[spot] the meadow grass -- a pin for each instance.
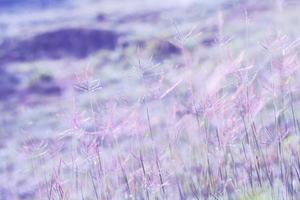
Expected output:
(194, 131)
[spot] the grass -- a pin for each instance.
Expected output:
(187, 131)
(236, 137)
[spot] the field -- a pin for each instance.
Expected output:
(132, 99)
